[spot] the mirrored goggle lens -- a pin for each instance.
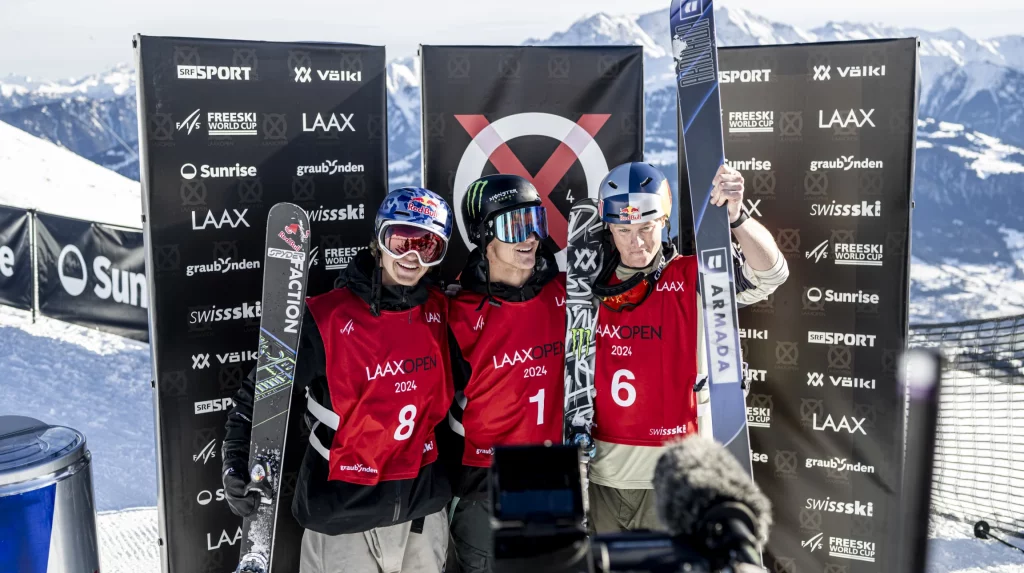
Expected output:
(629, 299)
(399, 240)
(516, 226)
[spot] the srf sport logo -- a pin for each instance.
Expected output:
(231, 73)
(743, 76)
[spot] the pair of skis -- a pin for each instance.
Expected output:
(700, 107)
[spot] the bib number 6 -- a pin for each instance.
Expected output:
(618, 387)
(406, 422)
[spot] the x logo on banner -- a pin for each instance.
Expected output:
(815, 379)
(549, 175)
(200, 361)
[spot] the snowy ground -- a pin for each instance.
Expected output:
(96, 383)
(99, 384)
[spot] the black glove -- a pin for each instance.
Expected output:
(236, 484)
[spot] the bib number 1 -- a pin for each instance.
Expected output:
(406, 423)
(618, 387)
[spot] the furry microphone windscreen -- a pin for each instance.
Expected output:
(694, 475)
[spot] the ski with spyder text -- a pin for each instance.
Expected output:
(285, 271)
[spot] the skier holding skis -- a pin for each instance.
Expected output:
(648, 335)
(508, 329)
(373, 356)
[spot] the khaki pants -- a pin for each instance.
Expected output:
(615, 510)
(393, 549)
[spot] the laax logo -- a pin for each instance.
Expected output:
(489, 146)
(824, 73)
(126, 287)
(348, 329)
(852, 118)
(232, 219)
(671, 286)
(208, 451)
(848, 424)
(329, 167)
(233, 73)
(744, 76)
(580, 340)
(224, 538)
(335, 122)
(305, 75)
(434, 317)
(479, 324)
(538, 352)
(403, 366)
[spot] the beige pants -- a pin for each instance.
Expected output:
(615, 510)
(393, 549)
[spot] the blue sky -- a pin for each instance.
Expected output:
(57, 38)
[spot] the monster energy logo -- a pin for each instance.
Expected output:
(475, 198)
(580, 340)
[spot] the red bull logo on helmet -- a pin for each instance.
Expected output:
(424, 205)
(629, 213)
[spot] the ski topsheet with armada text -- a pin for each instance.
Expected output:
(583, 262)
(285, 270)
(700, 107)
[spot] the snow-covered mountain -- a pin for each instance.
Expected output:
(36, 174)
(974, 83)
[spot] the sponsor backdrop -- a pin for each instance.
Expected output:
(824, 135)
(230, 128)
(92, 274)
(561, 117)
(15, 258)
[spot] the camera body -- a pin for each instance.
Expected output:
(538, 524)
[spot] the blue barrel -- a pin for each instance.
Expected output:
(47, 514)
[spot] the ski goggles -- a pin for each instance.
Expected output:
(630, 298)
(400, 239)
(517, 226)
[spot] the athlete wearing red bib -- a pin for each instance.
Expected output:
(374, 361)
(508, 337)
(648, 336)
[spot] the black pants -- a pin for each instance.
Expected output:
(472, 549)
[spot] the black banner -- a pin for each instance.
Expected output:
(559, 116)
(15, 258)
(824, 135)
(92, 274)
(231, 128)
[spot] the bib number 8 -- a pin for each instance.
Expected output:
(618, 386)
(406, 422)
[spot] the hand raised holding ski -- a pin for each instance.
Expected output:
(728, 187)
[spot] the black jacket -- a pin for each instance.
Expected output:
(468, 481)
(337, 507)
